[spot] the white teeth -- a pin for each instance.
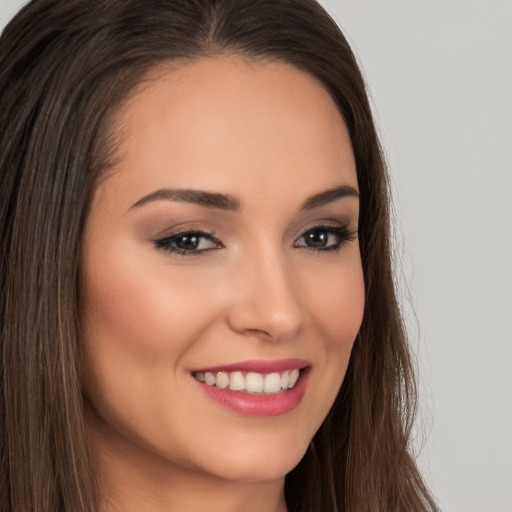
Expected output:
(237, 381)
(272, 383)
(294, 375)
(252, 382)
(222, 380)
(285, 378)
(209, 378)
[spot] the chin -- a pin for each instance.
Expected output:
(259, 468)
(253, 460)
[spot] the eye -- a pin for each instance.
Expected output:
(188, 242)
(326, 238)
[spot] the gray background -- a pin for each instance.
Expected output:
(440, 74)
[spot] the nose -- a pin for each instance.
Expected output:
(267, 302)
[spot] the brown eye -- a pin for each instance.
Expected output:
(188, 243)
(325, 238)
(317, 238)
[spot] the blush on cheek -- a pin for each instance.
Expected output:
(121, 309)
(339, 307)
(143, 313)
(349, 322)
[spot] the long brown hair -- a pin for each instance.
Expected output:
(65, 68)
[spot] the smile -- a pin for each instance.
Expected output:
(256, 387)
(250, 382)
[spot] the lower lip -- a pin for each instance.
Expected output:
(259, 404)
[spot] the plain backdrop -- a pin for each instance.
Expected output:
(440, 76)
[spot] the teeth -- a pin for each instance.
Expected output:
(252, 382)
(222, 381)
(272, 383)
(209, 378)
(294, 375)
(237, 382)
(285, 378)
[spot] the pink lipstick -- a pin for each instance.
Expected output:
(256, 387)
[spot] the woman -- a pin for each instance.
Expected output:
(198, 308)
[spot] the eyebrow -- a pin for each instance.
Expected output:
(328, 196)
(230, 203)
(199, 197)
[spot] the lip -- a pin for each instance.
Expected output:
(258, 404)
(258, 366)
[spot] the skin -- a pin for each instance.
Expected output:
(270, 136)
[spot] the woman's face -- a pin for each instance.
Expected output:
(222, 248)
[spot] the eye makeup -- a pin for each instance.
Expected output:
(326, 238)
(189, 242)
(192, 241)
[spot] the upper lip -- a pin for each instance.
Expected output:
(259, 366)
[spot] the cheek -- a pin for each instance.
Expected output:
(138, 320)
(337, 303)
(120, 307)
(338, 306)
(134, 306)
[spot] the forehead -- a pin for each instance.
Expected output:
(211, 122)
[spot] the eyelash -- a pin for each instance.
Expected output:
(343, 234)
(168, 243)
